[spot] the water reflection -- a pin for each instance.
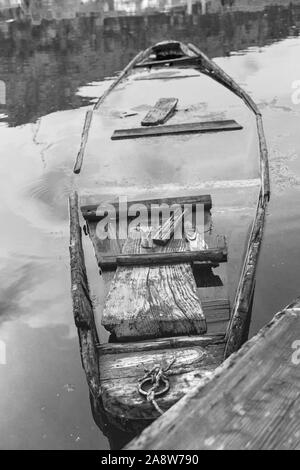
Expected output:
(51, 67)
(43, 64)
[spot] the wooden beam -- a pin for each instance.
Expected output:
(176, 129)
(251, 402)
(91, 212)
(161, 112)
(242, 303)
(217, 255)
(181, 61)
(84, 137)
(82, 304)
(109, 263)
(264, 156)
(161, 343)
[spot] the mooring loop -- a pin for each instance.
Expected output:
(159, 384)
(157, 393)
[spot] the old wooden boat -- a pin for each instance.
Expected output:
(172, 129)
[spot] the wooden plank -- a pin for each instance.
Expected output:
(181, 61)
(187, 359)
(163, 76)
(264, 156)
(91, 212)
(82, 304)
(160, 343)
(151, 302)
(84, 137)
(217, 255)
(203, 260)
(252, 401)
(161, 112)
(176, 129)
(216, 311)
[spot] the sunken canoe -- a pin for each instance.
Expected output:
(174, 132)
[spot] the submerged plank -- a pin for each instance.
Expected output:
(161, 112)
(252, 402)
(174, 129)
(151, 302)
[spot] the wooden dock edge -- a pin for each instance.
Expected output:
(252, 401)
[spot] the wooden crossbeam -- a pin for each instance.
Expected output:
(91, 212)
(176, 129)
(189, 61)
(218, 255)
(161, 343)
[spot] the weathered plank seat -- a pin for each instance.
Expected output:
(122, 365)
(151, 302)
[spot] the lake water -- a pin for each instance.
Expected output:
(50, 71)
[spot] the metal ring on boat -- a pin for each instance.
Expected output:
(158, 393)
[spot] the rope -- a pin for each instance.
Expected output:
(160, 384)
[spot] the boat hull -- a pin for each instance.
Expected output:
(153, 312)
